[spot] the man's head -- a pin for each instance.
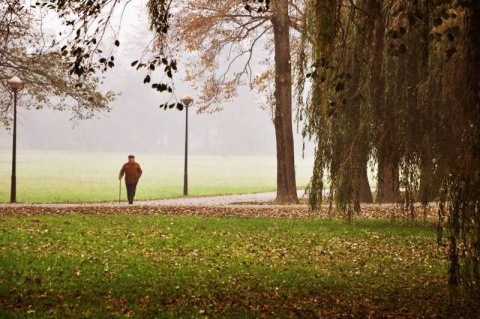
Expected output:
(131, 158)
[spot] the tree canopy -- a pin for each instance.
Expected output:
(28, 52)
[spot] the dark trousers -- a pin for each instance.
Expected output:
(131, 188)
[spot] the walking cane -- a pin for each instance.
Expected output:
(119, 190)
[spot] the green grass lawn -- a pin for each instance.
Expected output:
(128, 265)
(55, 176)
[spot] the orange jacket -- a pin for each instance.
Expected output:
(132, 171)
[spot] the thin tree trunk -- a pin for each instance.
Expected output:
(286, 184)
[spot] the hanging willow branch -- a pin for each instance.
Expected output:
(337, 113)
(398, 82)
(460, 196)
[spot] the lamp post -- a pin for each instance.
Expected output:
(187, 101)
(15, 84)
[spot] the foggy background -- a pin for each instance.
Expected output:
(137, 124)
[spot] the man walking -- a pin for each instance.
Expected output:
(132, 171)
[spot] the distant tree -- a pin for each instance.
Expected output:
(286, 185)
(223, 37)
(24, 52)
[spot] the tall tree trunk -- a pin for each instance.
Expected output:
(365, 192)
(460, 201)
(430, 181)
(386, 145)
(388, 181)
(286, 184)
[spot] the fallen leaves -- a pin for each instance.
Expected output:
(258, 211)
(287, 262)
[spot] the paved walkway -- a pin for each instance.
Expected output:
(256, 199)
(223, 200)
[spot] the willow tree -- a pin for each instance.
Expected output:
(369, 61)
(387, 158)
(454, 86)
(425, 101)
(436, 81)
(400, 121)
(337, 112)
(349, 113)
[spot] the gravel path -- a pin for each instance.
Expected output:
(224, 200)
(256, 199)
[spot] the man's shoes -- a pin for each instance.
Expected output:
(130, 203)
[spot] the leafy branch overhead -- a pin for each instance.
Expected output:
(92, 47)
(91, 44)
(28, 54)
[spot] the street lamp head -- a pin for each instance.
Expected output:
(15, 83)
(186, 100)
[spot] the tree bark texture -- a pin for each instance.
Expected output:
(365, 192)
(387, 174)
(388, 181)
(286, 184)
(430, 181)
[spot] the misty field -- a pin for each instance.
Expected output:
(56, 176)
